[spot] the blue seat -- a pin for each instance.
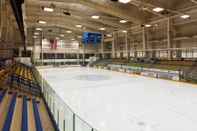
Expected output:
(10, 113)
(24, 115)
(37, 116)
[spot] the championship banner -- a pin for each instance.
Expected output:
(53, 44)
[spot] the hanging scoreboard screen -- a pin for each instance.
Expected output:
(91, 38)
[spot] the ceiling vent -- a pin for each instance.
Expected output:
(67, 13)
(165, 12)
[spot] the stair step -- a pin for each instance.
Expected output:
(9, 116)
(45, 119)
(31, 117)
(4, 109)
(17, 117)
(37, 116)
(25, 115)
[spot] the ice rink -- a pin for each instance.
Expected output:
(112, 101)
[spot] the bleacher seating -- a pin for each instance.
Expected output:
(22, 77)
(4, 73)
(15, 113)
(22, 106)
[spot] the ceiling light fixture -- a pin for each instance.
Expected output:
(123, 21)
(48, 9)
(42, 22)
(39, 29)
(109, 35)
(147, 25)
(95, 17)
(36, 33)
(185, 16)
(101, 28)
(124, 31)
(78, 26)
(68, 31)
(124, 1)
(158, 9)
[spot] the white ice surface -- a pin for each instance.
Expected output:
(122, 102)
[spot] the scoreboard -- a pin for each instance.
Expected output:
(91, 38)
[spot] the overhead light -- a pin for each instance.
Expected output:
(62, 35)
(101, 28)
(35, 37)
(124, 1)
(72, 39)
(109, 35)
(147, 25)
(42, 22)
(78, 26)
(68, 31)
(48, 9)
(39, 29)
(124, 31)
(123, 21)
(95, 17)
(185, 16)
(36, 33)
(79, 36)
(158, 9)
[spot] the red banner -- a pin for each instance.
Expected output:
(53, 44)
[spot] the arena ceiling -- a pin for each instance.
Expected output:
(76, 15)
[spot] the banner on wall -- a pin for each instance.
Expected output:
(59, 45)
(53, 44)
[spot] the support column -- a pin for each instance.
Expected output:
(178, 52)
(7, 22)
(20, 52)
(83, 53)
(78, 60)
(42, 61)
(33, 51)
(11, 32)
(126, 44)
(113, 46)
(144, 41)
(169, 38)
(102, 47)
(64, 57)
